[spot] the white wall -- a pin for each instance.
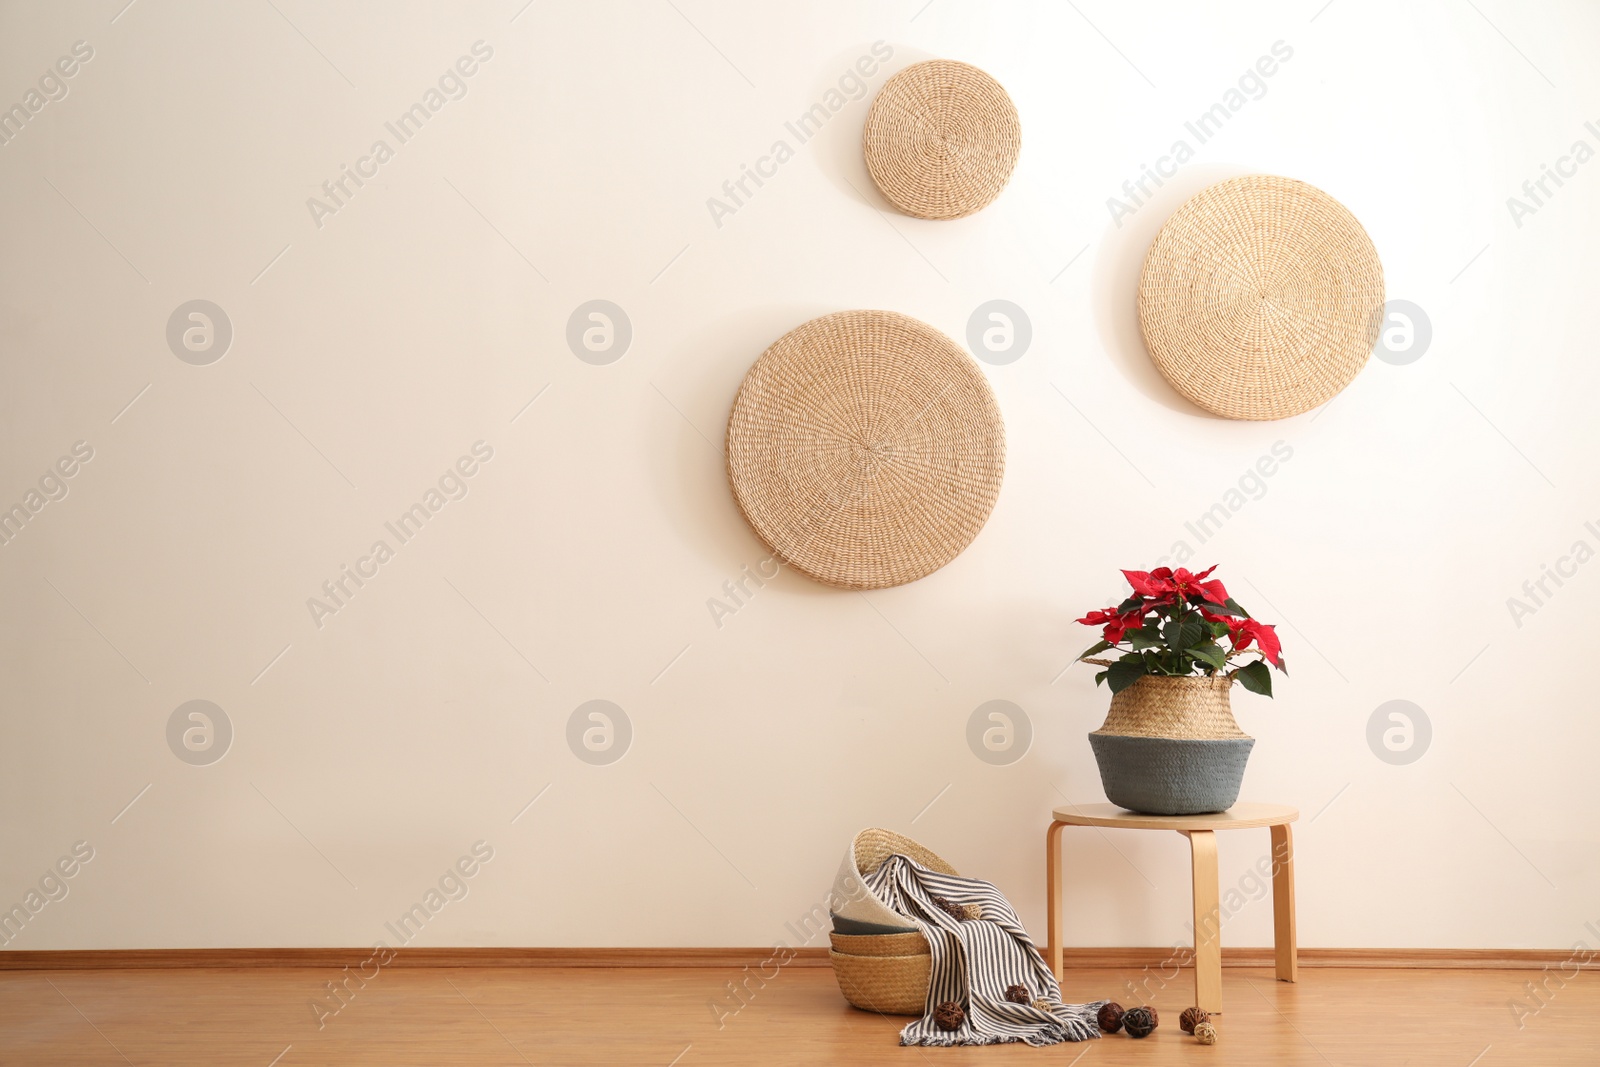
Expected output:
(427, 712)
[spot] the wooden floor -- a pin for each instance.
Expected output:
(491, 1016)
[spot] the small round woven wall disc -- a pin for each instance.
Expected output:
(941, 139)
(866, 449)
(1261, 298)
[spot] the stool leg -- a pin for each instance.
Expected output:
(1283, 931)
(1052, 892)
(1207, 921)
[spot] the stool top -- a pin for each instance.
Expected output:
(1238, 817)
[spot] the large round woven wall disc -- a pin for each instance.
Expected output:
(1261, 298)
(866, 449)
(941, 139)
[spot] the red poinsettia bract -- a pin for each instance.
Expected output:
(1176, 620)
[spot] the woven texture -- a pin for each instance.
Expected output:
(1191, 708)
(893, 985)
(912, 944)
(874, 845)
(866, 449)
(941, 139)
(1261, 298)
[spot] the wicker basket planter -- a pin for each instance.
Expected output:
(886, 973)
(1170, 746)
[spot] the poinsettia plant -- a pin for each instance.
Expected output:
(1177, 624)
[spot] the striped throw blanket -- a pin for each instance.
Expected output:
(975, 960)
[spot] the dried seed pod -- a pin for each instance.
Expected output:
(1205, 1033)
(1140, 1022)
(1110, 1017)
(1191, 1018)
(1018, 994)
(949, 1016)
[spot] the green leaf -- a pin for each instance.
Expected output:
(1230, 608)
(1218, 629)
(1256, 677)
(1166, 662)
(1129, 604)
(1149, 637)
(1125, 672)
(1210, 653)
(1183, 631)
(1098, 646)
(1100, 676)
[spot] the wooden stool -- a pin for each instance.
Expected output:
(1201, 831)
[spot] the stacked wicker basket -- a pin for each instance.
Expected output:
(887, 973)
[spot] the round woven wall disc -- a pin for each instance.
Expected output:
(941, 139)
(866, 449)
(1261, 298)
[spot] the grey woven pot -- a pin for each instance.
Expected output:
(1171, 776)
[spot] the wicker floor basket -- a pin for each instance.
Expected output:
(885, 973)
(876, 977)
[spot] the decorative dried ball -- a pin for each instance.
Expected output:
(1205, 1033)
(1110, 1017)
(1018, 994)
(949, 1016)
(1191, 1018)
(1044, 1005)
(951, 908)
(1140, 1022)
